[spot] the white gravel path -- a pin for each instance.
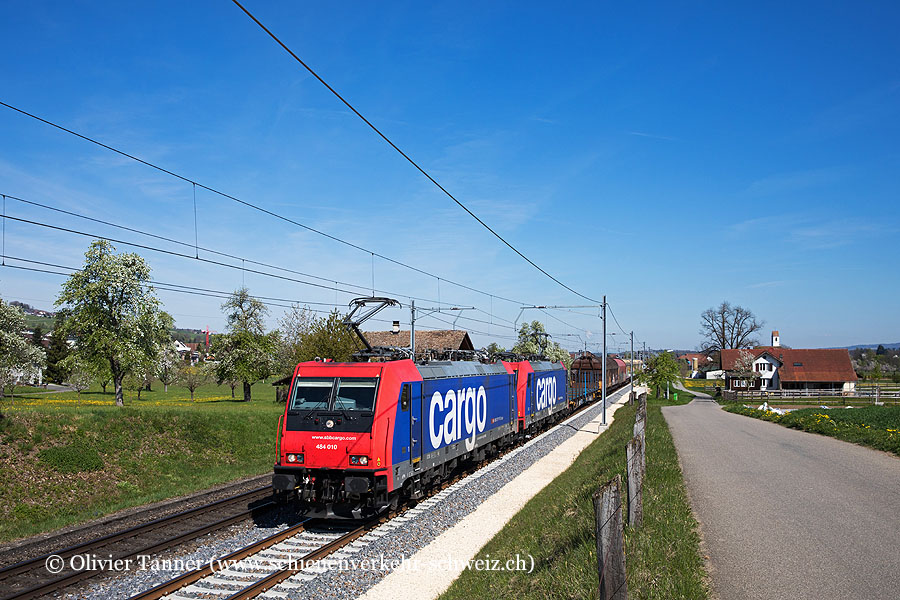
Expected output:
(438, 564)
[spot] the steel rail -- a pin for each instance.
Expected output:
(190, 577)
(261, 586)
(132, 532)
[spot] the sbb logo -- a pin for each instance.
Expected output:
(546, 392)
(458, 413)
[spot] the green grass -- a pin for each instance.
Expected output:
(556, 527)
(874, 426)
(67, 464)
(47, 324)
(31, 396)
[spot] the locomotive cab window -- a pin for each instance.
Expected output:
(357, 394)
(312, 394)
(404, 397)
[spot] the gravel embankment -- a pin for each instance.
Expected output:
(163, 567)
(28, 548)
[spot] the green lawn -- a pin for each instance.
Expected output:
(177, 395)
(556, 527)
(874, 426)
(66, 459)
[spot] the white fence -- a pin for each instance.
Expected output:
(873, 393)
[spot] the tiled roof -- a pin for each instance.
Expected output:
(425, 340)
(589, 361)
(818, 364)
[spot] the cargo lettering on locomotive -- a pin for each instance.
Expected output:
(457, 413)
(546, 392)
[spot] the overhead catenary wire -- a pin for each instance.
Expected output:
(269, 301)
(263, 210)
(609, 308)
(242, 267)
(247, 203)
(208, 250)
(406, 156)
(162, 286)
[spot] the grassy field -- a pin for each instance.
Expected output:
(66, 459)
(177, 395)
(874, 426)
(556, 527)
(707, 386)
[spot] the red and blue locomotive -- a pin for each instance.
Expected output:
(358, 437)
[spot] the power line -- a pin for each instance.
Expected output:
(209, 250)
(615, 319)
(196, 247)
(406, 156)
(221, 294)
(187, 289)
(219, 253)
(248, 204)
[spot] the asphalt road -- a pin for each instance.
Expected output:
(789, 514)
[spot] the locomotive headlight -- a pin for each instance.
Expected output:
(295, 458)
(359, 460)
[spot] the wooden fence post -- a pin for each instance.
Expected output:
(640, 417)
(635, 476)
(640, 429)
(610, 541)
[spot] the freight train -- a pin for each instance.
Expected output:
(357, 438)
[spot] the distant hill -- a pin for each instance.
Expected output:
(893, 346)
(45, 323)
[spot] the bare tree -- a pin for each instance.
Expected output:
(726, 326)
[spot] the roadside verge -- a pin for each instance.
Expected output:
(556, 528)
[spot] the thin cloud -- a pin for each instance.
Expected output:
(798, 180)
(652, 136)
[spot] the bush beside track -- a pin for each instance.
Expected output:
(62, 463)
(874, 426)
(556, 527)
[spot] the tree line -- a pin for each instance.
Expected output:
(111, 330)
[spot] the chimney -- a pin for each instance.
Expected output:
(776, 341)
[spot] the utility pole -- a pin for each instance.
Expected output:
(631, 358)
(603, 393)
(412, 329)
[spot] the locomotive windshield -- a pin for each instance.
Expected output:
(355, 394)
(312, 394)
(333, 394)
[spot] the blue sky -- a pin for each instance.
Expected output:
(668, 156)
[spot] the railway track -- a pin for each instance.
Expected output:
(274, 561)
(35, 577)
(254, 569)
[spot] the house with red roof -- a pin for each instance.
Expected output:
(695, 360)
(775, 367)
